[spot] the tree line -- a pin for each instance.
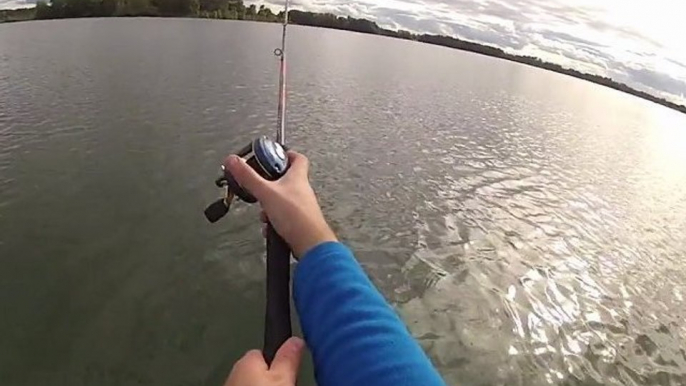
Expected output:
(217, 9)
(236, 9)
(21, 14)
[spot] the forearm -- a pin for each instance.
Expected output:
(355, 337)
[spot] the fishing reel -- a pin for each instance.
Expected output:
(266, 157)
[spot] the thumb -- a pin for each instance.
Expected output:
(300, 165)
(252, 366)
(287, 359)
(246, 176)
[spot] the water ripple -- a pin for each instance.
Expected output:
(528, 236)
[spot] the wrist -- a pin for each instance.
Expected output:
(321, 235)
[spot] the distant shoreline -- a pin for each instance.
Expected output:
(235, 10)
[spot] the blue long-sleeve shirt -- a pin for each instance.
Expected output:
(354, 335)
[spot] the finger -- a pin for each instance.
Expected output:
(249, 367)
(300, 165)
(287, 359)
(252, 362)
(246, 176)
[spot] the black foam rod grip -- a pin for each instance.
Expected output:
(277, 323)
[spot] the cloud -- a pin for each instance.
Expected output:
(658, 81)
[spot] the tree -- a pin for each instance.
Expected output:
(251, 12)
(108, 8)
(194, 7)
(265, 14)
(20, 14)
(136, 8)
(177, 7)
(214, 5)
(43, 10)
(58, 9)
(231, 14)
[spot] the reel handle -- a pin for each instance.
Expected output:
(217, 210)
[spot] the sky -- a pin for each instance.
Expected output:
(641, 43)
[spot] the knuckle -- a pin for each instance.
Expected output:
(279, 378)
(247, 358)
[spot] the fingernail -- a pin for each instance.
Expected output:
(297, 343)
(233, 160)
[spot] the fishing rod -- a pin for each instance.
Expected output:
(268, 158)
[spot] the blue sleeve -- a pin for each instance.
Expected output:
(354, 335)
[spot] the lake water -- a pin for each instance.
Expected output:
(529, 227)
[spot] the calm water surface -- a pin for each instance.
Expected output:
(529, 227)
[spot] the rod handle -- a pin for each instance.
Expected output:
(277, 323)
